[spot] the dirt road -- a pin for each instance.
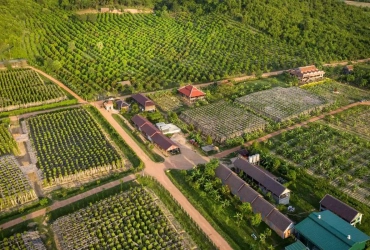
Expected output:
(157, 170)
(63, 203)
(268, 136)
(59, 83)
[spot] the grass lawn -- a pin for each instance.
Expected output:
(223, 219)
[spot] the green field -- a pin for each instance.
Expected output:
(91, 54)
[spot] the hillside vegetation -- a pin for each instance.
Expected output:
(183, 41)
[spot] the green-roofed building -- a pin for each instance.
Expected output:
(327, 231)
(296, 246)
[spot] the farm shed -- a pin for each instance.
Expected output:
(265, 181)
(348, 69)
(154, 135)
(144, 102)
(121, 105)
(347, 213)
(298, 245)
(307, 74)
(277, 221)
(191, 93)
(327, 231)
(166, 144)
(108, 105)
(168, 128)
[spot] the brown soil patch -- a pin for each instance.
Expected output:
(359, 4)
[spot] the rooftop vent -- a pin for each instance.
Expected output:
(319, 216)
(349, 237)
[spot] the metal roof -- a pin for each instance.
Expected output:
(330, 231)
(234, 183)
(164, 142)
(142, 100)
(257, 174)
(223, 172)
(139, 121)
(298, 245)
(262, 206)
(339, 208)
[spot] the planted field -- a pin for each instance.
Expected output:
(282, 104)
(70, 145)
(15, 188)
(26, 241)
(340, 157)
(128, 220)
(7, 143)
(222, 120)
(21, 88)
(151, 51)
(355, 119)
(341, 94)
(166, 100)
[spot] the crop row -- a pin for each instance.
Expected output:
(14, 186)
(128, 220)
(222, 120)
(22, 87)
(70, 142)
(7, 143)
(151, 51)
(30, 240)
(282, 104)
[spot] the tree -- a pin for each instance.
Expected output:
(71, 46)
(246, 208)
(256, 219)
(56, 65)
(100, 46)
(43, 202)
(134, 108)
(209, 140)
(292, 174)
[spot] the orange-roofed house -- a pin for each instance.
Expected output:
(191, 93)
(307, 74)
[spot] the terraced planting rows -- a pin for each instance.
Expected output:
(222, 120)
(151, 51)
(70, 145)
(26, 241)
(128, 220)
(334, 92)
(356, 119)
(15, 188)
(334, 154)
(281, 104)
(166, 100)
(20, 88)
(7, 143)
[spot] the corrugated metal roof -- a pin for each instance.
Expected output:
(330, 231)
(298, 245)
(223, 172)
(247, 194)
(257, 174)
(164, 142)
(339, 208)
(260, 205)
(142, 100)
(234, 183)
(139, 121)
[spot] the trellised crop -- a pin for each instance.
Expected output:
(24, 88)
(128, 220)
(7, 143)
(69, 143)
(222, 120)
(26, 241)
(282, 104)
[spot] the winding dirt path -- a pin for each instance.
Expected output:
(268, 136)
(63, 203)
(59, 83)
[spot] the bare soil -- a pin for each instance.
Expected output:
(359, 4)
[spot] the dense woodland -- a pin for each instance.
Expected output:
(185, 41)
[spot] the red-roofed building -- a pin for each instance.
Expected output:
(191, 93)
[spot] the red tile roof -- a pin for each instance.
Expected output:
(191, 91)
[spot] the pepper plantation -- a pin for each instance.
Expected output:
(22, 88)
(70, 145)
(7, 143)
(30, 240)
(127, 220)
